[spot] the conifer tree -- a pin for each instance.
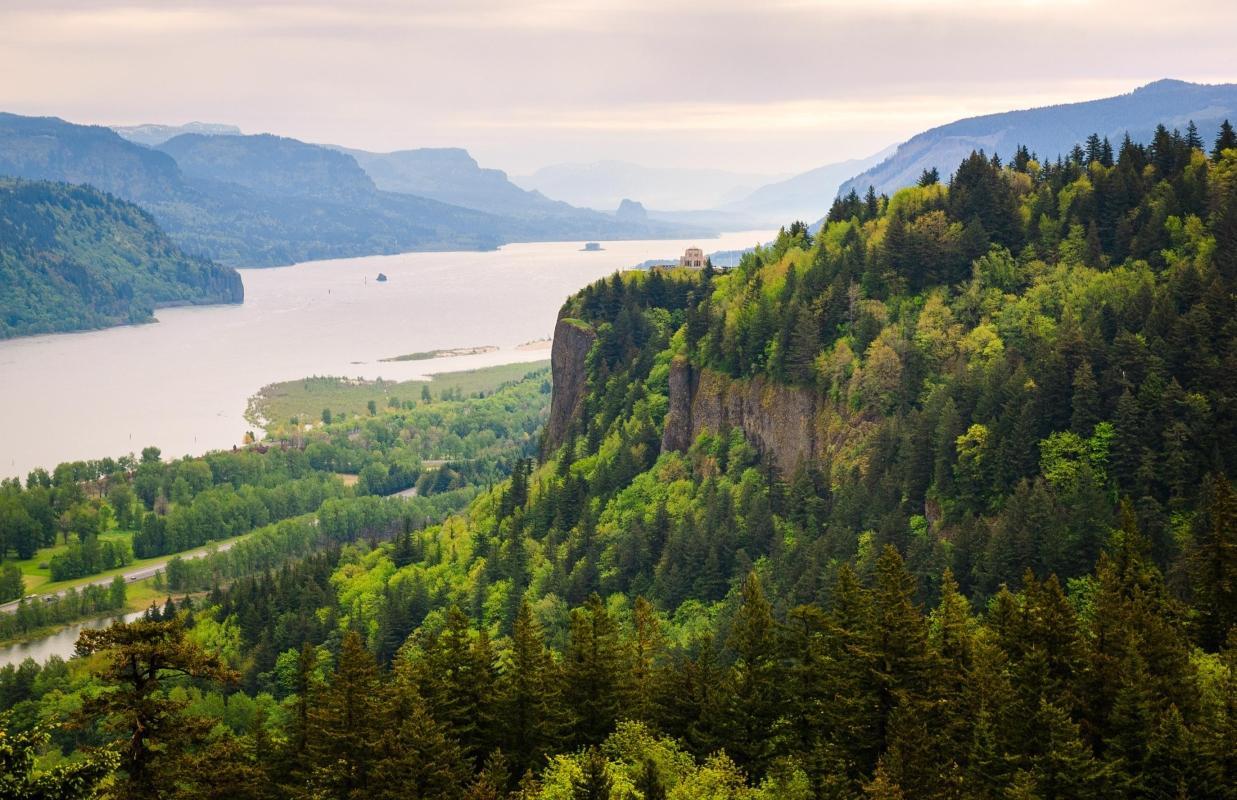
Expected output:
(1213, 562)
(594, 782)
(345, 724)
(156, 732)
(756, 702)
(1225, 140)
(531, 698)
(595, 672)
(648, 782)
(900, 642)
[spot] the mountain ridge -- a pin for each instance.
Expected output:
(1051, 130)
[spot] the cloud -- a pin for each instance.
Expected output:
(786, 84)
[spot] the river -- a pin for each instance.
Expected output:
(182, 383)
(61, 643)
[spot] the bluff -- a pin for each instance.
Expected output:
(568, 368)
(789, 425)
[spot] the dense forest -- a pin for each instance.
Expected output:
(1008, 571)
(73, 258)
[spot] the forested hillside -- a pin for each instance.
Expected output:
(73, 258)
(935, 503)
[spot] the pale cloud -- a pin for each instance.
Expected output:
(778, 86)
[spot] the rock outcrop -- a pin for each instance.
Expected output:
(572, 341)
(789, 425)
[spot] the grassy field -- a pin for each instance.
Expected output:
(38, 581)
(38, 576)
(305, 399)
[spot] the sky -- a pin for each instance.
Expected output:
(756, 86)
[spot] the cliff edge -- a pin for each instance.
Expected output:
(572, 341)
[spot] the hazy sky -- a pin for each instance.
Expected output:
(756, 86)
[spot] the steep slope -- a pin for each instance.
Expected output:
(48, 148)
(1052, 130)
(72, 257)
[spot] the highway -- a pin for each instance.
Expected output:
(135, 574)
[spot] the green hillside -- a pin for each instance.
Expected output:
(934, 503)
(74, 258)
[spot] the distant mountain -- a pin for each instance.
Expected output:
(1053, 130)
(273, 166)
(151, 135)
(451, 175)
(805, 196)
(245, 224)
(604, 184)
(73, 258)
(267, 200)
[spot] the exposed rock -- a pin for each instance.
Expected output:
(572, 341)
(631, 211)
(789, 425)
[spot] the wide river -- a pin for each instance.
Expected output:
(182, 384)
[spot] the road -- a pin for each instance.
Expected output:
(136, 574)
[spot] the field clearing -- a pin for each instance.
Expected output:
(279, 403)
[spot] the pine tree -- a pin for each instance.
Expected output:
(345, 723)
(595, 672)
(594, 782)
(415, 758)
(648, 782)
(1213, 562)
(756, 701)
(155, 731)
(458, 680)
(853, 718)
(646, 645)
(1065, 767)
(900, 640)
(1192, 139)
(531, 700)
(1225, 140)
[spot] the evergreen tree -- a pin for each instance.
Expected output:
(595, 672)
(756, 701)
(156, 732)
(414, 757)
(531, 699)
(594, 782)
(1225, 140)
(345, 724)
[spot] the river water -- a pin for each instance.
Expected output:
(61, 643)
(182, 383)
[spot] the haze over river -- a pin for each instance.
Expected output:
(182, 384)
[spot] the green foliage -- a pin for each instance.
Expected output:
(72, 257)
(622, 619)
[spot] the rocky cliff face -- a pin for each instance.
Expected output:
(572, 341)
(787, 424)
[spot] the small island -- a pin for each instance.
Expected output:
(455, 351)
(592, 247)
(382, 277)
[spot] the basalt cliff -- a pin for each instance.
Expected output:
(789, 425)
